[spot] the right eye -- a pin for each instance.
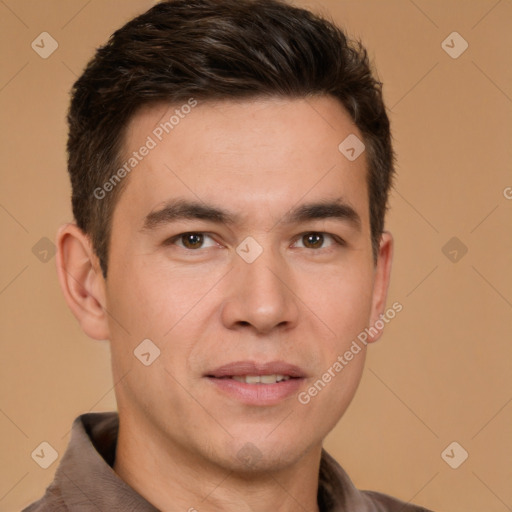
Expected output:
(192, 240)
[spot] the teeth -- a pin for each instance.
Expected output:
(260, 379)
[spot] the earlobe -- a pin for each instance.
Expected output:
(81, 281)
(381, 284)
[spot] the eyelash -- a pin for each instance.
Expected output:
(335, 239)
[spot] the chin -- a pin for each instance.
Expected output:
(252, 454)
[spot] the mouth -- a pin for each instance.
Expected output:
(260, 379)
(252, 372)
(257, 383)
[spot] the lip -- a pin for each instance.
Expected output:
(239, 368)
(257, 394)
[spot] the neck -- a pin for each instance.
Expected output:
(172, 478)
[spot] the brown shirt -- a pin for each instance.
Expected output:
(85, 480)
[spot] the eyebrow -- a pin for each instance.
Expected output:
(185, 210)
(337, 209)
(181, 209)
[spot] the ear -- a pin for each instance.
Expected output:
(381, 284)
(81, 281)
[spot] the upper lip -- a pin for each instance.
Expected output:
(239, 368)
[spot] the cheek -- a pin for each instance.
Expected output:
(169, 308)
(147, 302)
(341, 308)
(340, 300)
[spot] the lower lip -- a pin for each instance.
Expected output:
(258, 394)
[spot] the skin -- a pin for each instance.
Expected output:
(206, 307)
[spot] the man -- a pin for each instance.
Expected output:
(230, 163)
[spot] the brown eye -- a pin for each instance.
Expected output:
(313, 240)
(192, 240)
(318, 240)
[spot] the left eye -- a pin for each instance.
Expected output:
(193, 241)
(315, 240)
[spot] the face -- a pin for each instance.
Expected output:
(241, 248)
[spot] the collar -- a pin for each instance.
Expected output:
(85, 477)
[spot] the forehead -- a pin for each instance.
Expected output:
(249, 154)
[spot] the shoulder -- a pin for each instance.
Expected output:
(50, 502)
(385, 503)
(338, 492)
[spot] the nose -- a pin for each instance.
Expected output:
(260, 296)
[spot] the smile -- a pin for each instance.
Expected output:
(261, 379)
(257, 383)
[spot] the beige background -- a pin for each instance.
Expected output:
(441, 373)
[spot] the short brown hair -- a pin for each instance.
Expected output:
(213, 50)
